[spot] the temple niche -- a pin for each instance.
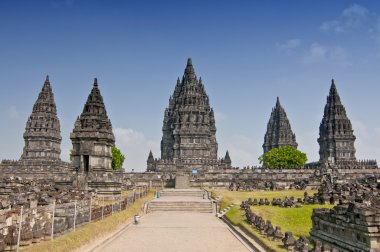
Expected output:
(42, 132)
(336, 139)
(279, 132)
(92, 137)
(188, 140)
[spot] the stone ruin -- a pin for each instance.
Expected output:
(189, 131)
(274, 233)
(92, 140)
(352, 225)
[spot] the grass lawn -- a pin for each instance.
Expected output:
(89, 232)
(296, 220)
(237, 197)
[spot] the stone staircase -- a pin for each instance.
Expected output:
(182, 181)
(190, 200)
(182, 193)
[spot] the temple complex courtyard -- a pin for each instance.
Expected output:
(182, 230)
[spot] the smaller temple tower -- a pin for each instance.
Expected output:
(279, 132)
(227, 160)
(151, 164)
(42, 132)
(336, 139)
(92, 137)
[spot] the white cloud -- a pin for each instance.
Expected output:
(135, 147)
(243, 150)
(219, 116)
(289, 44)
(321, 53)
(375, 35)
(366, 143)
(13, 112)
(351, 17)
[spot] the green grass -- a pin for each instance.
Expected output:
(89, 232)
(296, 220)
(237, 197)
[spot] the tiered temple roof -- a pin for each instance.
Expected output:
(336, 139)
(189, 124)
(42, 133)
(92, 136)
(279, 132)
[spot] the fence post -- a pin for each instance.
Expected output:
(52, 222)
(112, 204)
(90, 209)
(121, 198)
(75, 213)
(103, 209)
(19, 228)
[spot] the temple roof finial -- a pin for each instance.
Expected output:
(278, 101)
(189, 62)
(333, 90)
(95, 82)
(189, 71)
(47, 78)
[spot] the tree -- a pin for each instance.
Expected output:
(71, 154)
(117, 158)
(283, 157)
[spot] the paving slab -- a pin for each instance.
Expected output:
(177, 232)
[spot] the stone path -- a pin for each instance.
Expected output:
(177, 232)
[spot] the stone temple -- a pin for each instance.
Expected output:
(188, 140)
(92, 136)
(279, 133)
(42, 132)
(336, 139)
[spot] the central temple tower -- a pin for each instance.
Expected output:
(336, 138)
(189, 130)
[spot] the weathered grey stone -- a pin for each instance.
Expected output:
(92, 136)
(188, 140)
(42, 133)
(279, 132)
(336, 139)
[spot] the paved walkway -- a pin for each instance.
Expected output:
(177, 232)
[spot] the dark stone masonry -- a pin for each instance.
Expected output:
(336, 138)
(188, 140)
(92, 136)
(42, 132)
(279, 133)
(189, 159)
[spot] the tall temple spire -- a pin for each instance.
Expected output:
(279, 132)
(189, 124)
(92, 136)
(42, 133)
(336, 138)
(189, 71)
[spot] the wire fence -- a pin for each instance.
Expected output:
(23, 226)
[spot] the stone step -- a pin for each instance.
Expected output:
(191, 206)
(182, 209)
(182, 193)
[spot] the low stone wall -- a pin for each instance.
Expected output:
(247, 179)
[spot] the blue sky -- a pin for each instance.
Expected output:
(247, 53)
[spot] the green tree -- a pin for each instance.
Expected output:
(283, 157)
(117, 158)
(71, 154)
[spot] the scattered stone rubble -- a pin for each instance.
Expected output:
(353, 224)
(266, 228)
